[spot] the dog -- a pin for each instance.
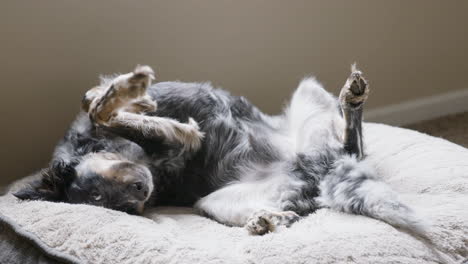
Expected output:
(135, 144)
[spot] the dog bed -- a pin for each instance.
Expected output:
(431, 174)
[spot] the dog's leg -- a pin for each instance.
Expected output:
(352, 97)
(120, 109)
(141, 129)
(313, 119)
(310, 100)
(251, 204)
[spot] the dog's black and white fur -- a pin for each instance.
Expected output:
(189, 144)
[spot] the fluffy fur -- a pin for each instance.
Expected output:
(206, 148)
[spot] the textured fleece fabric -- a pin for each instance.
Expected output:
(431, 174)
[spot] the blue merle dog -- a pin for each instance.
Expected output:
(188, 144)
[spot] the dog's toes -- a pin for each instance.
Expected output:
(143, 72)
(134, 84)
(259, 225)
(265, 221)
(140, 80)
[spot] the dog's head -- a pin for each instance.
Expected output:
(101, 179)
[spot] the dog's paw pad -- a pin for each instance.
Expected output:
(133, 85)
(355, 91)
(143, 72)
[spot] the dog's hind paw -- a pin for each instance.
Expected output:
(265, 221)
(355, 91)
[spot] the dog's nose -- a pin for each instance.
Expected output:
(138, 186)
(140, 190)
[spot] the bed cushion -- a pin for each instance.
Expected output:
(431, 174)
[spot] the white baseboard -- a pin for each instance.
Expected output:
(420, 109)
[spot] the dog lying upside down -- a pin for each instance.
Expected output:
(187, 144)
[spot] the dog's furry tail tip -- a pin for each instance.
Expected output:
(351, 187)
(401, 216)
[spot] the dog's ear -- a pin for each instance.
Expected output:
(51, 186)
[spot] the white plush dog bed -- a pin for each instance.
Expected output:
(430, 173)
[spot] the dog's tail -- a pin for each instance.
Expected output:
(351, 187)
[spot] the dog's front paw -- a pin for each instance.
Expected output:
(355, 91)
(192, 136)
(134, 84)
(125, 92)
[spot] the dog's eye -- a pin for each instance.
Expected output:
(97, 197)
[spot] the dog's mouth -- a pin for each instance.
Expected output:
(140, 208)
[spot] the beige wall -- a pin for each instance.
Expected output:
(52, 51)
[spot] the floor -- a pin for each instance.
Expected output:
(452, 127)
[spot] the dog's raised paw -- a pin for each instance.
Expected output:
(142, 76)
(355, 91)
(134, 84)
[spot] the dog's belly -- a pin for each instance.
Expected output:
(243, 145)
